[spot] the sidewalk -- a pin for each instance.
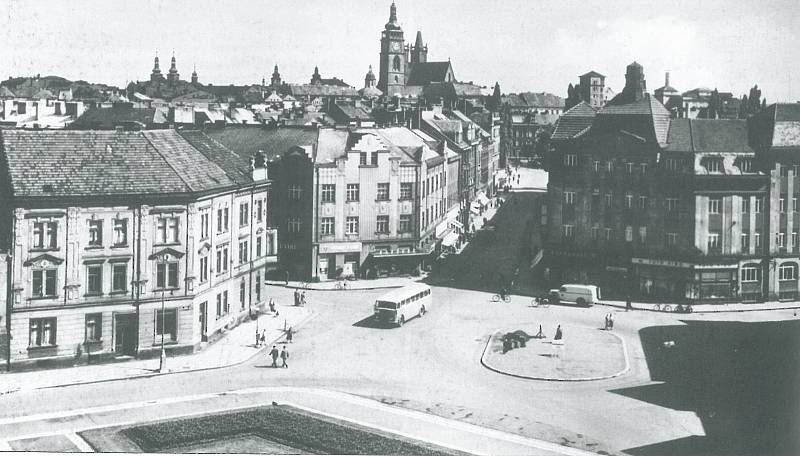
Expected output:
(361, 284)
(710, 308)
(237, 346)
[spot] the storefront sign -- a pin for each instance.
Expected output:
(667, 263)
(716, 266)
(339, 247)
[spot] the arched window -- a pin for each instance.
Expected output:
(751, 272)
(396, 79)
(396, 63)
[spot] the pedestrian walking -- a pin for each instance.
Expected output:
(263, 337)
(274, 354)
(258, 339)
(610, 322)
(287, 277)
(284, 356)
(559, 334)
(303, 298)
(540, 334)
(296, 297)
(272, 304)
(628, 305)
(605, 326)
(289, 335)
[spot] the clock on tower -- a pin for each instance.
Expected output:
(392, 73)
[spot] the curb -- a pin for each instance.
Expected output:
(695, 312)
(334, 289)
(556, 379)
(158, 374)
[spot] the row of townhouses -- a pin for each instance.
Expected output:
(688, 210)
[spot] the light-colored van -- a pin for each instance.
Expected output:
(582, 295)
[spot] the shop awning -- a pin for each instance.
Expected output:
(450, 240)
(483, 199)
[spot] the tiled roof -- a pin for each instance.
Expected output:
(370, 92)
(427, 72)
(787, 112)
(574, 122)
(709, 136)
(542, 99)
(350, 113)
(108, 118)
(679, 138)
(105, 163)
(592, 74)
(6, 93)
(235, 164)
(246, 141)
(647, 118)
(317, 90)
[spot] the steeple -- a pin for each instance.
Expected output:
(316, 78)
(392, 24)
(418, 42)
(276, 77)
(155, 75)
(419, 52)
(173, 75)
(194, 74)
(369, 79)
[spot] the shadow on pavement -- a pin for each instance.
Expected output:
(741, 379)
(371, 322)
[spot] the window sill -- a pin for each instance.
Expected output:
(45, 249)
(93, 295)
(166, 244)
(94, 247)
(382, 200)
(42, 298)
(160, 290)
(118, 293)
(351, 201)
(166, 342)
(120, 246)
(42, 348)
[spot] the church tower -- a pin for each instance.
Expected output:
(419, 51)
(276, 78)
(173, 75)
(155, 75)
(369, 79)
(393, 56)
(194, 75)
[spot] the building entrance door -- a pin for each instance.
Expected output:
(204, 321)
(125, 334)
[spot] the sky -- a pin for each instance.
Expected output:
(525, 45)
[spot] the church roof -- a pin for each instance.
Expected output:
(370, 92)
(428, 72)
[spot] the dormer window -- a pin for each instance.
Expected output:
(714, 165)
(745, 165)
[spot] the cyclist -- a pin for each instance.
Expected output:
(503, 293)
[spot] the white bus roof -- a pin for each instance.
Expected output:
(402, 293)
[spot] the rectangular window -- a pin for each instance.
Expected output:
(672, 204)
(260, 211)
(243, 251)
(352, 225)
(751, 274)
(382, 224)
(383, 191)
(746, 165)
(570, 160)
(295, 192)
(596, 166)
(94, 280)
(713, 241)
(219, 305)
(167, 229)
(787, 272)
(405, 224)
(759, 204)
(167, 275)
(672, 239)
(242, 293)
(628, 233)
(629, 167)
(794, 239)
(293, 224)
(406, 190)
(643, 168)
(258, 246)
(609, 234)
(166, 324)
(94, 327)
(595, 233)
(782, 204)
(258, 286)
(219, 221)
(45, 235)
(362, 158)
(119, 277)
(643, 234)
(327, 226)
(609, 200)
(95, 233)
(569, 231)
(714, 165)
(204, 269)
(794, 204)
(121, 232)
(226, 306)
(328, 193)
(352, 192)
(44, 283)
(374, 158)
(609, 166)
(222, 260)
(757, 239)
(713, 205)
(244, 214)
(628, 200)
(42, 332)
(569, 198)
(745, 205)
(642, 202)
(745, 238)
(780, 239)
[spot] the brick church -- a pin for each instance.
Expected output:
(405, 69)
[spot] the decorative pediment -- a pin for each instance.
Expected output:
(204, 249)
(43, 261)
(260, 230)
(369, 143)
(167, 251)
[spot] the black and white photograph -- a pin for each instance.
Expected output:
(413, 227)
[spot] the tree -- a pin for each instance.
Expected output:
(494, 101)
(743, 107)
(752, 103)
(573, 96)
(714, 105)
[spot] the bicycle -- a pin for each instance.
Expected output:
(341, 285)
(537, 302)
(681, 309)
(662, 308)
(497, 298)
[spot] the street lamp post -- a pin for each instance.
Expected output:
(163, 360)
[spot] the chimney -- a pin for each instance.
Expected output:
(666, 80)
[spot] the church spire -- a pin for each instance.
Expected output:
(392, 24)
(418, 42)
(155, 75)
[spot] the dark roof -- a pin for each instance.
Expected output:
(647, 118)
(107, 163)
(709, 136)
(592, 74)
(321, 90)
(235, 164)
(542, 99)
(428, 72)
(574, 122)
(787, 112)
(108, 118)
(348, 113)
(334, 82)
(245, 141)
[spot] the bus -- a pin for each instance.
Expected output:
(402, 304)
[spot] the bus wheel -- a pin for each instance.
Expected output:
(580, 301)
(422, 311)
(402, 320)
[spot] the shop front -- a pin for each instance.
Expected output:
(715, 283)
(395, 260)
(659, 280)
(338, 260)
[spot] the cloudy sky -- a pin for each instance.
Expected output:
(526, 45)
